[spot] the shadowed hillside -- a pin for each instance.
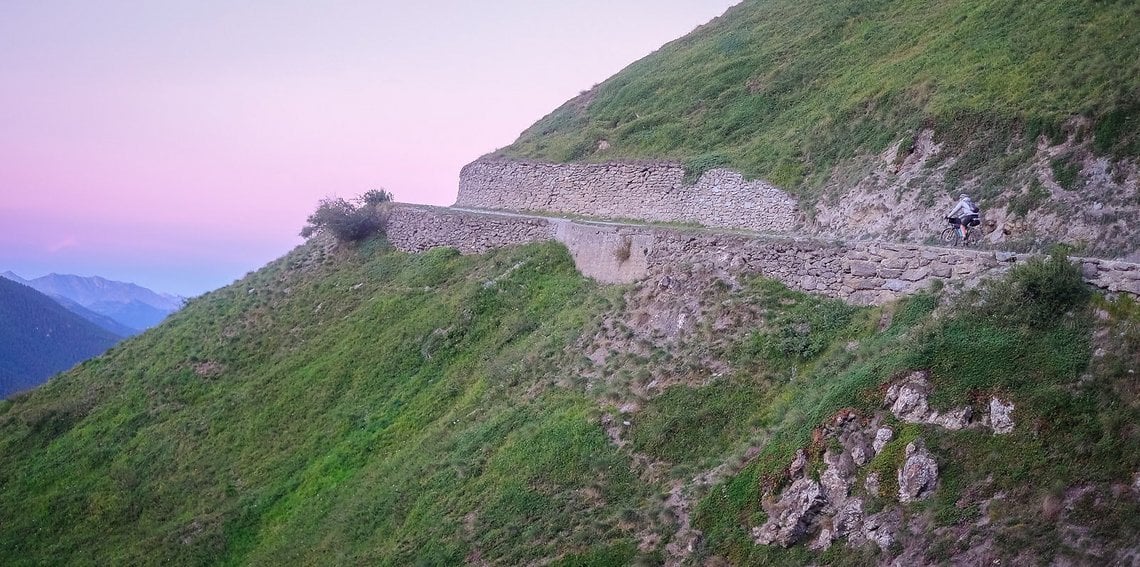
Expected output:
(128, 306)
(39, 337)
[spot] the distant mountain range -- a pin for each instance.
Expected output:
(39, 338)
(119, 307)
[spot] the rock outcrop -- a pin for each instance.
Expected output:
(793, 515)
(827, 508)
(1001, 416)
(908, 401)
(832, 508)
(919, 475)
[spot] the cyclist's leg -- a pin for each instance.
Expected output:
(970, 229)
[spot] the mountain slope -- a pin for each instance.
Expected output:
(104, 322)
(877, 113)
(783, 89)
(39, 338)
(126, 304)
(368, 406)
(93, 289)
(134, 314)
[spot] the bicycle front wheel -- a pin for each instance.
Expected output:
(949, 236)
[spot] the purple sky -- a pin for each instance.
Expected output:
(181, 144)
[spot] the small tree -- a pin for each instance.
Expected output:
(348, 222)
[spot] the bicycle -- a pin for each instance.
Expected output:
(959, 235)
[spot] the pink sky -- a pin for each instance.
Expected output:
(181, 144)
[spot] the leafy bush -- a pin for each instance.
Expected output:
(799, 328)
(801, 334)
(1114, 130)
(1037, 292)
(349, 222)
(374, 197)
(623, 250)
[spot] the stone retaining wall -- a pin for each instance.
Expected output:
(415, 229)
(647, 191)
(858, 272)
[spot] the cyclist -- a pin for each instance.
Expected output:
(964, 215)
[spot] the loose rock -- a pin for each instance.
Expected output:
(845, 521)
(838, 476)
(798, 464)
(908, 402)
(882, 437)
(953, 420)
(1001, 418)
(907, 399)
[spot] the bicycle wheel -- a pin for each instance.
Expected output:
(973, 235)
(949, 237)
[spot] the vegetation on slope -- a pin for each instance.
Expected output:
(788, 89)
(379, 408)
(39, 337)
(1028, 339)
(368, 406)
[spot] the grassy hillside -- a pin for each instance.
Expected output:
(369, 406)
(39, 337)
(788, 89)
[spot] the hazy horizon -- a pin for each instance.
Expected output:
(180, 146)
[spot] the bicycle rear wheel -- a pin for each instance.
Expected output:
(973, 235)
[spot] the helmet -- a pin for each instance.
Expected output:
(963, 196)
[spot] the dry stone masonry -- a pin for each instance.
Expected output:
(652, 191)
(858, 272)
(416, 229)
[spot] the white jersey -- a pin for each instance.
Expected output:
(963, 208)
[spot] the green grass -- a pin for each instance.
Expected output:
(1010, 340)
(687, 425)
(1065, 173)
(800, 329)
(1022, 203)
(786, 90)
(375, 407)
(367, 406)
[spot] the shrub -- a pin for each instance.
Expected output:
(1038, 292)
(347, 222)
(374, 197)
